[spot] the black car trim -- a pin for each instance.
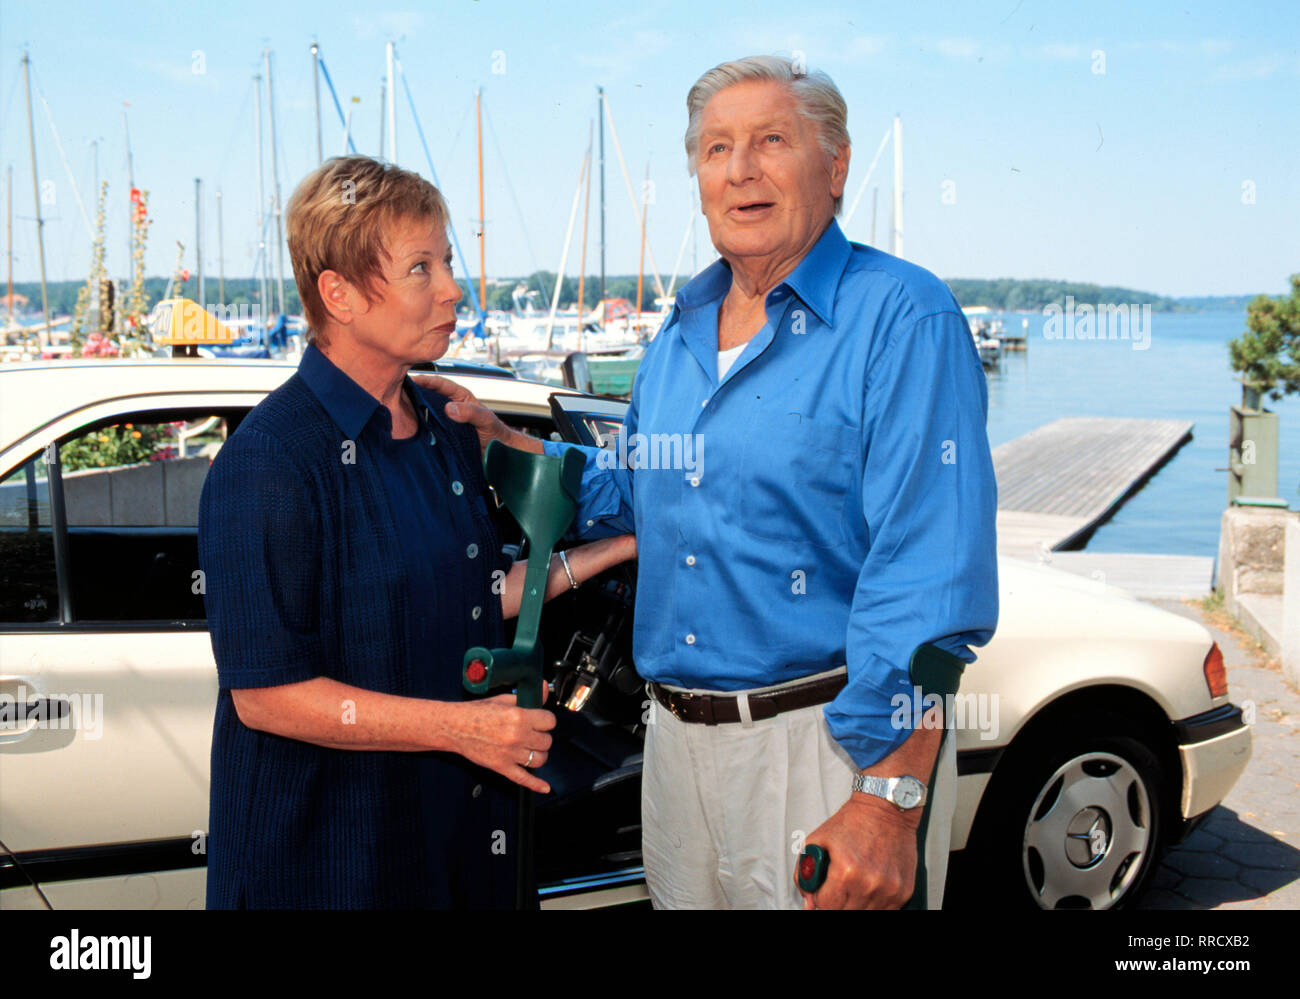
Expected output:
(1209, 724)
(114, 860)
(978, 761)
(109, 860)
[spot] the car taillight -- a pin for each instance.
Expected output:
(1216, 677)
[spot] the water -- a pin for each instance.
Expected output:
(1183, 375)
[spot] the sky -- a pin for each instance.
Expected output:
(1155, 148)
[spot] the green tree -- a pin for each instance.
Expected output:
(1268, 353)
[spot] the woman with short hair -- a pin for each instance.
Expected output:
(349, 562)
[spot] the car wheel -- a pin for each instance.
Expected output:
(1077, 823)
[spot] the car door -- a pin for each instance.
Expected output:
(107, 682)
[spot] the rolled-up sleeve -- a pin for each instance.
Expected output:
(605, 497)
(930, 504)
(260, 553)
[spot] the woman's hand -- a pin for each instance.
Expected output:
(496, 734)
(493, 732)
(464, 407)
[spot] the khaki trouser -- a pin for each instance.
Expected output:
(725, 808)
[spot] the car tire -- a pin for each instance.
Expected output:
(1077, 820)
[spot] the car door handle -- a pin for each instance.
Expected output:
(23, 709)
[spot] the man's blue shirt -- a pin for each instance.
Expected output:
(831, 502)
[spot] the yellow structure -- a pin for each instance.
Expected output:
(181, 322)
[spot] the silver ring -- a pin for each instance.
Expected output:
(529, 762)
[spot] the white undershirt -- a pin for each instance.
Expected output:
(726, 358)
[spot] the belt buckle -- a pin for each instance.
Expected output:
(679, 709)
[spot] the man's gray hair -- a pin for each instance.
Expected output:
(816, 95)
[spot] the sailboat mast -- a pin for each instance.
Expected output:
(275, 185)
(315, 82)
(198, 236)
(130, 184)
(221, 256)
(640, 267)
(392, 109)
(9, 239)
(482, 221)
(47, 335)
(601, 115)
(874, 191)
(898, 186)
(586, 212)
(263, 291)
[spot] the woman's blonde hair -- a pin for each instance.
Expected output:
(338, 218)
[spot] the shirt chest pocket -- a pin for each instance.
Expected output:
(797, 479)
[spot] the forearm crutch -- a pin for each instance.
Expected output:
(938, 674)
(541, 493)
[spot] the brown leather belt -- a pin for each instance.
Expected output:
(720, 709)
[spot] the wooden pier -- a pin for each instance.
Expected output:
(1059, 483)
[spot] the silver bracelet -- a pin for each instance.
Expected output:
(564, 561)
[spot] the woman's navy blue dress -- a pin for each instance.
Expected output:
(330, 549)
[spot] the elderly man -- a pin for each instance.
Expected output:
(841, 515)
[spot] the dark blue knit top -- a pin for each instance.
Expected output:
(329, 549)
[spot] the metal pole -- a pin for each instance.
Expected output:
(221, 256)
(315, 80)
(392, 108)
(898, 186)
(482, 222)
(260, 272)
(601, 93)
(9, 240)
(130, 183)
(383, 103)
(275, 186)
(640, 267)
(874, 192)
(48, 334)
(586, 212)
(198, 237)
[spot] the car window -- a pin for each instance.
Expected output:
(131, 493)
(29, 591)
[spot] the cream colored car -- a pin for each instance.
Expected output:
(1092, 732)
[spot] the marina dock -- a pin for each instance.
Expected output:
(1059, 483)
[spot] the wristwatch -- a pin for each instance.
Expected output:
(905, 792)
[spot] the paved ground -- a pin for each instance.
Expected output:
(1246, 855)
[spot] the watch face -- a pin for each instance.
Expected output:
(908, 793)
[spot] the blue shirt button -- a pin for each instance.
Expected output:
(476, 613)
(457, 488)
(472, 551)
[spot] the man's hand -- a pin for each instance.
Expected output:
(872, 848)
(871, 841)
(465, 408)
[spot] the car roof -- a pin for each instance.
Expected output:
(34, 394)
